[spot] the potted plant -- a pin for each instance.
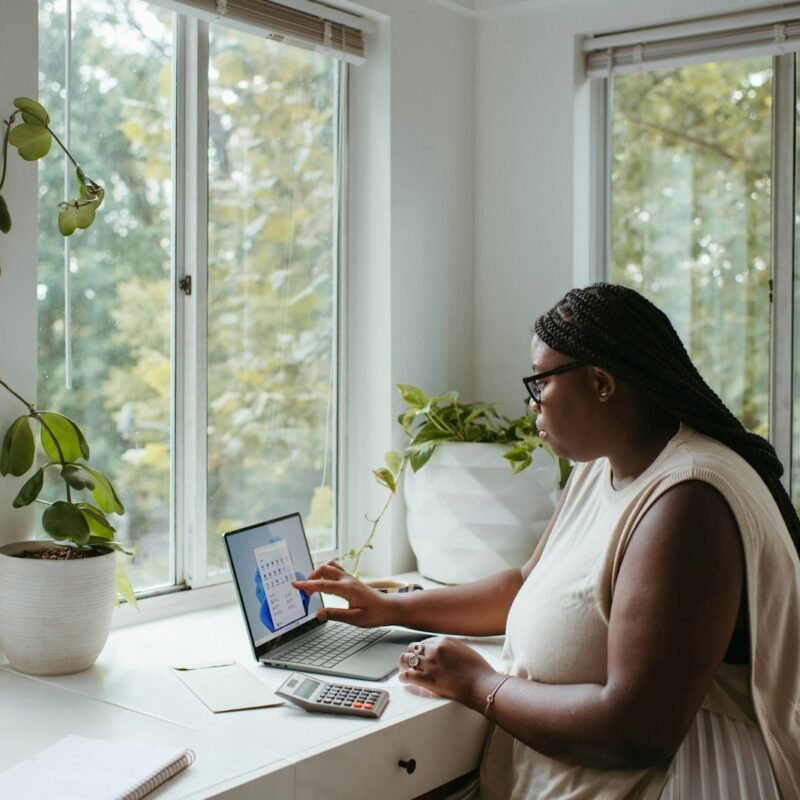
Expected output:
(56, 594)
(468, 516)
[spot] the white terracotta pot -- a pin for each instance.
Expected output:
(469, 516)
(54, 615)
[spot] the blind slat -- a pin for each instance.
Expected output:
(650, 49)
(284, 23)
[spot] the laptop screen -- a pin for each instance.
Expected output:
(265, 559)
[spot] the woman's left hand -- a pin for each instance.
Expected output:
(449, 668)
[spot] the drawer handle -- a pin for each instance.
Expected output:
(409, 766)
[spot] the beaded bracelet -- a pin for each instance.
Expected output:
(490, 697)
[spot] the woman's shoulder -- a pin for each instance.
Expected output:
(696, 451)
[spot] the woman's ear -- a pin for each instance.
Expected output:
(604, 383)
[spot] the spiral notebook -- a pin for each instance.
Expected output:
(80, 768)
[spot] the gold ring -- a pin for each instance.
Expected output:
(418, 648)
(413, 661)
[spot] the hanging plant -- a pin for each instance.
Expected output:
(28, 130)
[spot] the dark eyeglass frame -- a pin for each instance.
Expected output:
(534, 390)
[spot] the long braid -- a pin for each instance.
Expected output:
(617, 328)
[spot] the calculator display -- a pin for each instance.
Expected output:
(306, 688)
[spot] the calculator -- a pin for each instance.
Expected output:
(333, 698)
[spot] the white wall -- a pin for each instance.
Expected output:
(412, 219)
(18, 59)
(532, 128)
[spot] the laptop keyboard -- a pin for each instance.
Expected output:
(335, 642)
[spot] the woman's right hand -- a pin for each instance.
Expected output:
(367, 608)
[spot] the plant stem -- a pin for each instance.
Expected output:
(63, 147)
(368, 541)
(22, 400)
(440, 424)
(5, 152)
(38, 417)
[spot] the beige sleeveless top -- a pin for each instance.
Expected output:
(557, 627)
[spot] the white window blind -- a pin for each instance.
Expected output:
(304, 23)
(773, 31)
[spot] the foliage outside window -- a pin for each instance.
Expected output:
(271, 270)
(691, 221)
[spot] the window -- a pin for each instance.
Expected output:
(211, 405)
(699, 212)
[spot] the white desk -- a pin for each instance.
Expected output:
(130, 694)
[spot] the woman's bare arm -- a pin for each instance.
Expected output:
(674, 609)
(473, 609)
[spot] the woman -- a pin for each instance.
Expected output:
(652, 640)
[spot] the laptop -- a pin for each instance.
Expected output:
(281, 620)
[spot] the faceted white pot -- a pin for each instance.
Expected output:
(469, 516)
(54, 615)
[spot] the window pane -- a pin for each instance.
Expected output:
(121, 132)
(272, 286)
(690, 215)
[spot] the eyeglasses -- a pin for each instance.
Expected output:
(535, 391)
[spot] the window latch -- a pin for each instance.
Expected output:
(185, 284)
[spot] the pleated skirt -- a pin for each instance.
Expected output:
(720, 758)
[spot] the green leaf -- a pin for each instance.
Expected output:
(16, 456)
(419, 458)
(412, 395)
(477, 410)
(5, 216)
(517, 454)
(394, 461)
(104, 494)
(429, 434)
(406, 419)
(32, 140)
(76, 477)
(63, 520)
(99, 526)
(77, 214)
(67, 434)
(125, 587)
(521, 465)
(33, 111)
(98, 542)
(30, 491)
(448, 398)
(385, 478)
(565, 470)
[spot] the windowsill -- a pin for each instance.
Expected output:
(172, 604)
(185, 601)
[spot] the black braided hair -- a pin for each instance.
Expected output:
(616, 328)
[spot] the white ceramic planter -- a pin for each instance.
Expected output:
(54, 615)
(469, 516)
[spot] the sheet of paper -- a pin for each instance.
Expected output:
(227, 687)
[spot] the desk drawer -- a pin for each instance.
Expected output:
(444, 743)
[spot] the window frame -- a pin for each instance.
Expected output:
(190, 317)
(782, 256)
(187, 490)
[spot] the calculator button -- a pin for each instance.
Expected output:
(367, 706)
(357, 704)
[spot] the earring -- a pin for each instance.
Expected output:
(603, 394)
